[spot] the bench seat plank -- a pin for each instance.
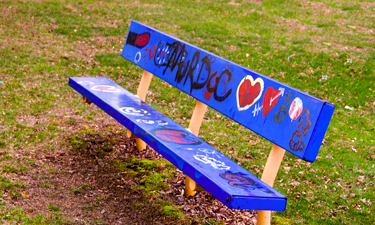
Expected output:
(290, 118)
(225, 179)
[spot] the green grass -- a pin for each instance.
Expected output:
(10, 215)
(153, 173)
(172, 211)
(89, 207)
(53, 208)
(44, 43)
(99, 199)
(76, 191)
(85, 185)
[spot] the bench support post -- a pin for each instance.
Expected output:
(142, 93)
(269, 175)
(85, 100)
(191, 187)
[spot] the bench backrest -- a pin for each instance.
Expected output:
(285, 116)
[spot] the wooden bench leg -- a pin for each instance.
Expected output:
(130, 134)
(86, 101)
(191, 187)
(269, 175)
(142, 93)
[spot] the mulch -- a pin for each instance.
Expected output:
(66, 170)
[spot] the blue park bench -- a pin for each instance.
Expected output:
(292, 120)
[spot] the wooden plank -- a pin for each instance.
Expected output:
(216, 173)
(284, 115)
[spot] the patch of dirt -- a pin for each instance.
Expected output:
(321, 8)
(246, 11)
(55, 175)
(232, 48)
(258, 2)
(348, 47)
(365, 30)
(109, 23)
(318, 39)
(341, 22)
(296, 25)
(367, 5)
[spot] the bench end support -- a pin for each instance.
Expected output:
(130, 134)
(86, 100)
(141, 94)
(191, 187)
(269, 175)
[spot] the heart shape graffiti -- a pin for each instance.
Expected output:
(271, 96)
(249, 92)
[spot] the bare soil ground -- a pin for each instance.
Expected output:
(88, 188)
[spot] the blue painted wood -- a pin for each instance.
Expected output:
(223, 178)
(286, 116)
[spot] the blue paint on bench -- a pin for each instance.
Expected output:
(286, 116)
(223, 178)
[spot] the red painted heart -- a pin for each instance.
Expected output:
(271, 96)
(248, 92)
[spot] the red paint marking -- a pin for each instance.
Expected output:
(151, 51)
(248, 93)
(293, 107)
(174, 136)
(142, 40)
(106, 89)
(237, 180)
(207, 94)
(268, 95)
(225, 85)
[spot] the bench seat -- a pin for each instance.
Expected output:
(233, 185)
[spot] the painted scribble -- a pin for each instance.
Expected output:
(105, 88)
(207, 94)
(151, 52)
(174, 56)
(296, 108)
(296, 143)
(216, 164)
(186, 148)
(177, 136)
(85, 82)
(237, 179)
(135, 111)
(138, 40)
(156, 122)
(137, 57)
(257, 109)
(280, 115)
(248, 92)
(240, 180)
(210, 151)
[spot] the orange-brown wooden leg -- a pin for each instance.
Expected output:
(269, 175)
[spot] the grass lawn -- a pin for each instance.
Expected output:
(326, 49)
